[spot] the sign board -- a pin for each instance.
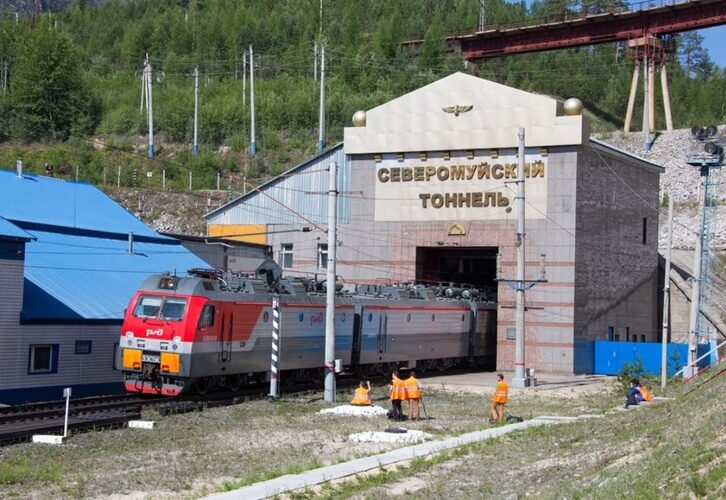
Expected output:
(481, 188)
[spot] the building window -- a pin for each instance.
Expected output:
(43, 359)
(511, 334)
(627, 334)
(286, 255)
(83, 347)
(645, 230)
(642, 338)
(611, 333)
(617, 338)
(322, 255)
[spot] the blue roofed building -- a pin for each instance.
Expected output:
(70, 260)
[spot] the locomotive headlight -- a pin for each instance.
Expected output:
(132, 359)
(169, 362)
(175, 343)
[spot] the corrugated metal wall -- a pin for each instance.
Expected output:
(216, 255)
(303, 189)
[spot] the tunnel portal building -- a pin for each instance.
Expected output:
(427, 194)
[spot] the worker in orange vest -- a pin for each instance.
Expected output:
(499, 399)
(362, 395)
(413, 392)
(398, 394)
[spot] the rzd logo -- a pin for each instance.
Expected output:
(158, 332)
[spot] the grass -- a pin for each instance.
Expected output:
(194, 454)
(670, 450)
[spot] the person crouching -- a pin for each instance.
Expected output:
(362, 395)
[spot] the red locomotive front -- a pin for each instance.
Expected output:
(157, 335)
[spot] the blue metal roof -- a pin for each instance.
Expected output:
(56, 202)
(11, 231)
(76, 277)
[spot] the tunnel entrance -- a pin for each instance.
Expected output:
(470, 266)
(467, 267)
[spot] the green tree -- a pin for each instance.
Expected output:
(49, 96)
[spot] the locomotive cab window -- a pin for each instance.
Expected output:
(147, 307)
(173, 309)
(206, 319)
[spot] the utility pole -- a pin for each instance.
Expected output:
(321, 125)
(244, 90)
(482, 15)
(694, 316)
(315, 63)
(713, 158)
(195, 147)
(666, 301)
(253, 144)
(330, 286)
(149, 104)
(520, 379)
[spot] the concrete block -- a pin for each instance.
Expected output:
(141, 424)
(47, 439)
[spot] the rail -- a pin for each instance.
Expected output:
(694, 364)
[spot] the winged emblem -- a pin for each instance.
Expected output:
(456, 109)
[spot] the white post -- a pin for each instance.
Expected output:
(67, 394)
(519, 379)
(118, 177)
(76, 173)
(330, 286)
(190, 180)
(163, 179)
(150, 108)
(244, 90)
(219, 180)
(646, 102)
(253, 143)
(275, 351)
(321, 125)
(195, 147)
(666, 300)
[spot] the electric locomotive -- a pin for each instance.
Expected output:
(210, 329)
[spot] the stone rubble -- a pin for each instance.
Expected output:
(680, 181)
(410, 436)
(356, 411)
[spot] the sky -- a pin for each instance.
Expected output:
(714, 39)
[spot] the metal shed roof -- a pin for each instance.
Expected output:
(8, 230)
(73, 277)
(302, 188)
(56, 202)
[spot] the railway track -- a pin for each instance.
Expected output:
(19, 423)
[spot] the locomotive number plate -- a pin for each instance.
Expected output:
(150, 358)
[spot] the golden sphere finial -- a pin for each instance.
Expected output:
(573, 106)
(359, 118)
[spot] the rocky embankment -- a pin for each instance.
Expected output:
(680, 181)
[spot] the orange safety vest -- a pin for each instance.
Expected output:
(500, 395)
(362, 397)
(647, 396)
(412, 388)
(398, 389)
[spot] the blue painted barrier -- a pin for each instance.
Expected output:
(610, 357)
